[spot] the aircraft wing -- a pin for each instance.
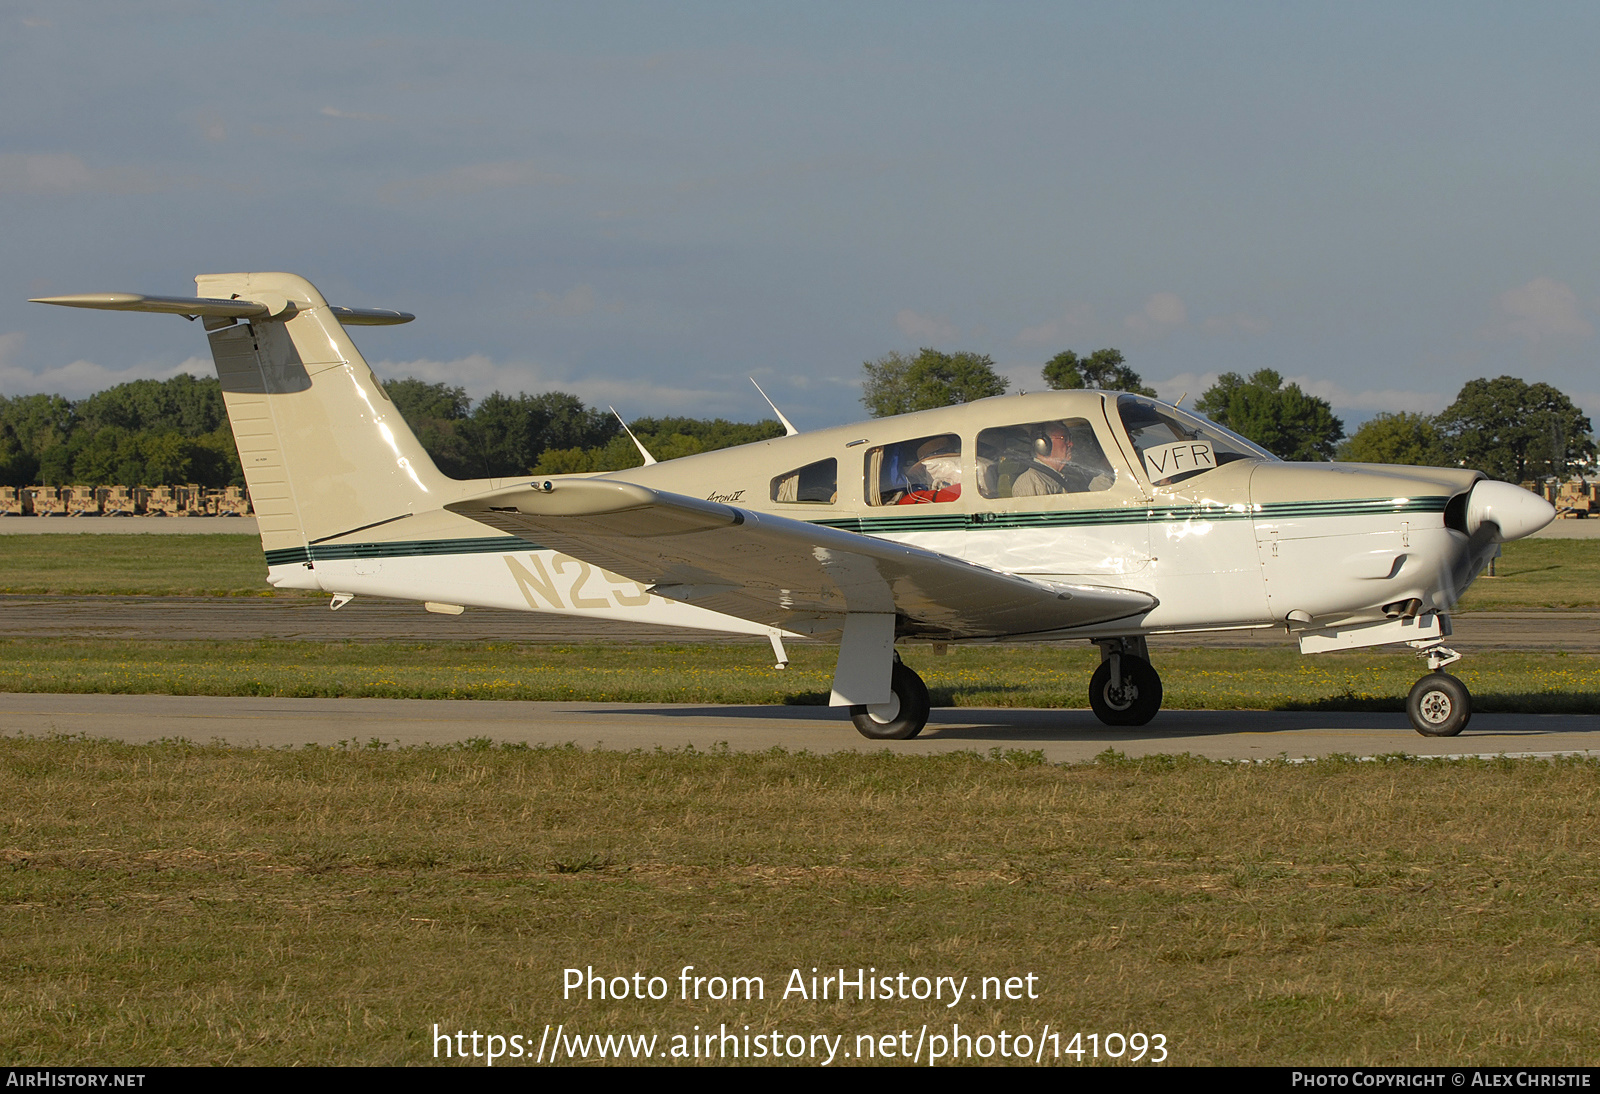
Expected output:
(782, 572)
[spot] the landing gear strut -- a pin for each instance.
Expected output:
(1439, 704)
(903, 716)
(1126, 689)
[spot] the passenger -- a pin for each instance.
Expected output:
(936, 476)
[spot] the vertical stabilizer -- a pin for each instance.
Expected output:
(324, 450)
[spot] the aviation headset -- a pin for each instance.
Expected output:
(1042, 445)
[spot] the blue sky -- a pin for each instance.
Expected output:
(645, 203)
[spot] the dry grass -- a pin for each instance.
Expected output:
(178, 904)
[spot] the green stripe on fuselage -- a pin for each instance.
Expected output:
(1090, 518)
(900, 523)
(406, 548)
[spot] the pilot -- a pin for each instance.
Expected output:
(1052, 471)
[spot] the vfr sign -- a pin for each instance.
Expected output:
(1177, 458)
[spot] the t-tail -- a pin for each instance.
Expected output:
(324, 450)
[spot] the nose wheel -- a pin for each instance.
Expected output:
(1439, 705)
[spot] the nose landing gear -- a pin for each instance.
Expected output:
(1439, 704)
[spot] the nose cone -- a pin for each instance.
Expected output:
(1511, 509)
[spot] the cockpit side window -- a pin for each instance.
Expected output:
(1174, 445)
(926, 470)
(814, 484)
(1061, 456)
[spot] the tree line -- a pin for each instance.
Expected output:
(172, 432)
(144, 433)
(1505, 427)
(551, 434)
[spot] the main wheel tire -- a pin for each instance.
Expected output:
(1439, 705)
(904, 715)
(1132, 704)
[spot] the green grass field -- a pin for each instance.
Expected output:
(173, 904)
(133, 565)
(1534, 574)
(972, 676)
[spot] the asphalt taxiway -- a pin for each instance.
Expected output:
(1063, 736)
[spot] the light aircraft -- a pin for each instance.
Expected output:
(1042, 517)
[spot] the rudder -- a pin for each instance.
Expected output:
(324, 450)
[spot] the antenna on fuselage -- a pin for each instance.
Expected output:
(1181, 398)
(788, 426)
(643, 451)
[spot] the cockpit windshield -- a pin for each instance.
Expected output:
(1174, 445)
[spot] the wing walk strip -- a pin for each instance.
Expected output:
(933, 522)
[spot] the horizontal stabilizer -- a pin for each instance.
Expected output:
(212, 308)
(782, 572)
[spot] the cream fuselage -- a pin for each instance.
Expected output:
(1250, 543)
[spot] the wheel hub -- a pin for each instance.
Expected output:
(1122, 697)
(884, 713)
(1436, 707)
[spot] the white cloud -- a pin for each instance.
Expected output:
(80, 378)
(480, 375)
(1023, 377)
(1385, 399)
(1162, 313)
(43, 173)
(1543, 308)
(64, 173)
(1074, 320)
(1586, 401)
(475, 372)
(1185, 383)
(1389, 400)
(212, 126)
(355, 116)
(1237, 323)
(577, 301)
(925, 329)
(474, 178)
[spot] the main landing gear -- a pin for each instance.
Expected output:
(1439, 704)
(903, 716)
(1126, 689)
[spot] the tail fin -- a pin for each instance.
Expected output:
(324, 450)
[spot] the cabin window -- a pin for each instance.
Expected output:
(1060, 456)
(923, 471)
(1174, 445)
(814, 484)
